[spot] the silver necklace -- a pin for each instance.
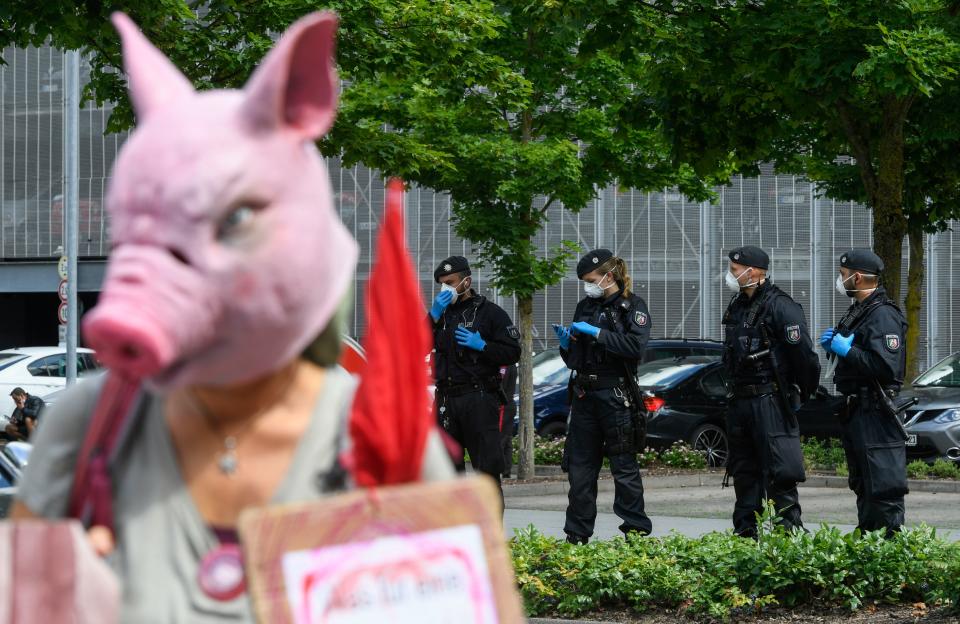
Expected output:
(227, 461)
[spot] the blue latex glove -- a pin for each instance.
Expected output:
(841, 344)
(581, 327)
(563, 334)
(469, 339)
(440, 304)
(826, 337)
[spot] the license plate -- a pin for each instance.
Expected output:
(911, 440)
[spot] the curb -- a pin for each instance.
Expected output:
(701, 480)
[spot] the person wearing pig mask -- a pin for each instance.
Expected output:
(222, 294)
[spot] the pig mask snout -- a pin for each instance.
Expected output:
(154, 308)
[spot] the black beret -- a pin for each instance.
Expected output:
(750, 256)
(592, 260)
(453, 264)
(862, 260)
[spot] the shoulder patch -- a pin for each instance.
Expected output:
(892, 342)
(513, 332)
(793, 334)
(641, 319)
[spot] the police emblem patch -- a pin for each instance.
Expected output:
(736, 256)
(448, 267)
(641, 319)
(596, 260)
(513, 332)
(793, 334)
(892, 342)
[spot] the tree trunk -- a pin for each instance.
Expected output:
(913, 303)
(889, 222)
(527, 432)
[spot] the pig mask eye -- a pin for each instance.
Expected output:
(233, 224)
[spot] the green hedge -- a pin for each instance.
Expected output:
(720, 575)
(817, 455)
(549, 452)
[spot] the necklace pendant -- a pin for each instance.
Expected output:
(228, 463)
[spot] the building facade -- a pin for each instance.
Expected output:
(676, 249)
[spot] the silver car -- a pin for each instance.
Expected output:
(934, 423)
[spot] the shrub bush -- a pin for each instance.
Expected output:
(719, 574)
(918, 469)
(827, 455)
(944, 469)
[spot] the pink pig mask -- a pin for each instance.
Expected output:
(228, 259)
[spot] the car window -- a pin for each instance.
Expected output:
(714, 384)
(945, 373)
(667, 353)
(666, 372)
(6, 479)
(547, 369)
(715, 353)
(90, 362)
(50, 366)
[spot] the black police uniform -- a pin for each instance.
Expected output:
(469, 394)
(509, 376)
(873, 440)
(603, 419)
(766, 339)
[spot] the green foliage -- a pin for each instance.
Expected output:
(819, 455)
(497, 103)
(944, 469)
(721, 575)
(549, 452)
(918, 469)
(679, 455)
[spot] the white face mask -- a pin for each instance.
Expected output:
(594, 291)
(453, 289)
(843, 290)
(733, 281)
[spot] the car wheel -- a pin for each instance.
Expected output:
(554, 429)
(712, 440)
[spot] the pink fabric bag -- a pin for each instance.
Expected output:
(50, 575)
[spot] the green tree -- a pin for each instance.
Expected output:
(825, 88)
(510, 107)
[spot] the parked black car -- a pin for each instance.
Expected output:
(550, 376)
(687, 401)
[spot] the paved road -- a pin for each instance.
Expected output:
(695, 510)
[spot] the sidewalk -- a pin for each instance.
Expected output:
(694, 504)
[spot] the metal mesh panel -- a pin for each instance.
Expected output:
(674, 249)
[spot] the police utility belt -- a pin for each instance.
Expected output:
(455, 389)
(597, 382)
(746, 391)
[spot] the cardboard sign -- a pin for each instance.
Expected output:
(424, 553)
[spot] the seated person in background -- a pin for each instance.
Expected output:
(24, 419)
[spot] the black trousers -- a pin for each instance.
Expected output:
(597, 425)
(766, 462)
(473, 420)
(877, 464)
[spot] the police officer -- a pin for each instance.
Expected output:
(867, 348)
(770, 359)
(472, 339)
(508, 412)
(610, 330)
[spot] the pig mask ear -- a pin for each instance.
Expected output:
(295, 87)
(153, 80)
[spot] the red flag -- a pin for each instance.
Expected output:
(391, 416)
